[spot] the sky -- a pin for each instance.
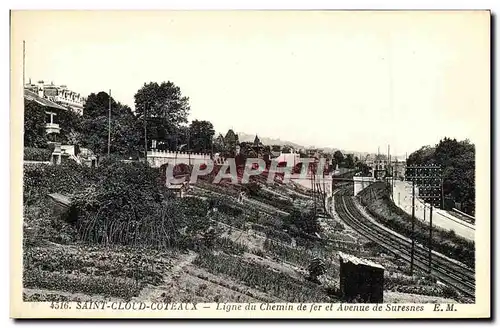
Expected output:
(349, 80)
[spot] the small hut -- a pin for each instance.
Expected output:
(361, 280)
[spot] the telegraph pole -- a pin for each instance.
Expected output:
(430, 241)
(24, 64)
(109, 123)
(145, 135)
(431, 181)
(412, 225)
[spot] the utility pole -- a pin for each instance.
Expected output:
(145, 135)
(431, 181)
(109, 123)
(24, 64)
(412, 225)
(430, 242)
(424, 211)
(313, 189)
(442, 192)
(389, 167)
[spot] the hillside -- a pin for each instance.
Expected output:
(144, 244)
(376, 199)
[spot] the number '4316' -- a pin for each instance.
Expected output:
(59, 305)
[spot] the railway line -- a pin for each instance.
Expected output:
(452, 273)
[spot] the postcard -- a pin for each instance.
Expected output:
(250, 164)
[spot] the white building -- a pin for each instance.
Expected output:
(59, 94)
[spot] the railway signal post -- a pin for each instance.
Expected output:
(429, 181)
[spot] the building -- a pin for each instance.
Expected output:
(380, 168)
(59, 94)
(52, 109)
(55, 100)
(361, 280)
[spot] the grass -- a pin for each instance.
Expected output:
(378, 203)
(132, 245)
(257, 276)
(108, 286)
(118, 272)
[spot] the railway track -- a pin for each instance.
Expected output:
(452, 273)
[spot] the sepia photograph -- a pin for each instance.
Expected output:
(224, 164)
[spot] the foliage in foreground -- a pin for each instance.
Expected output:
(37, 154)
(112, 272)
(254, 275)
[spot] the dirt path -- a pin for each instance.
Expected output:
(152, 293)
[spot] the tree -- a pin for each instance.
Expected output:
(316, 268)
(457, 160)
(126, 130)
(230, 143)
(97, 105)
(219, 143)
(349, 161)
(95, 131)
(306, 221)
(422, 156)
(165, 107)
(126, 133)
(363, 168)
(201, 134)
(34, 125)
(339, 157)
(71, 127)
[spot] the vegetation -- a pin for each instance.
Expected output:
(34, 125)
(125, 228)
(92, 270)
(316, 268)
(166, 110)
(37, 154)
(457, 159)
(377, 201)
(254, 275)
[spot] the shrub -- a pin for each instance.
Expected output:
(38, 181)
(225, 205)
(306, 222)
(378, 203)
(37, 154)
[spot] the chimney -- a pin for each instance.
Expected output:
(40, 89)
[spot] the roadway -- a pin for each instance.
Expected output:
(402, 193)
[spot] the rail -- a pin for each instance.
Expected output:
(450, 272)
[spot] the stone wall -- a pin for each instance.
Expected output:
(361, 183)
(157, 158)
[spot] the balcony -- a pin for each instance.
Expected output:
(52, 128)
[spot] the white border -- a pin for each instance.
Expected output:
(190, 4)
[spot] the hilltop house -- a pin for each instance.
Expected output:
(54, 100)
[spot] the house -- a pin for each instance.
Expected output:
(361, 280)
(179, 189)
(59, 94)
(54, 100)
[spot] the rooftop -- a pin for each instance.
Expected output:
(32, 96)
(358, 261)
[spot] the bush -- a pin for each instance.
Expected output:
(225, 205)
(127, 204)
(306, 222)
(382, 208)
(37, 154)
(67, 178)
(39, 225)
(230, 247)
